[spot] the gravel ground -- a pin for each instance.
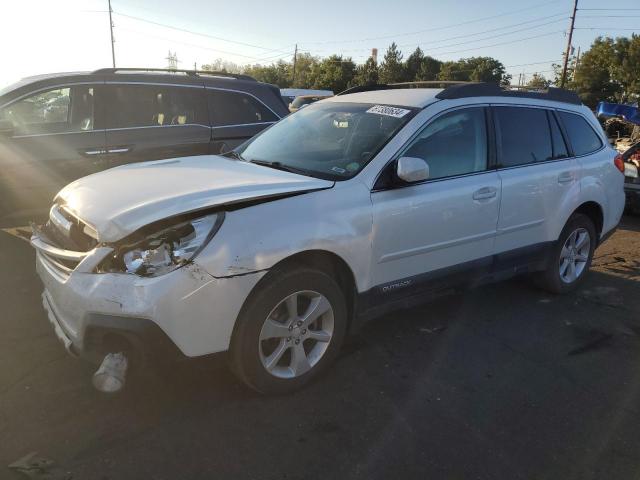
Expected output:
(504, 381)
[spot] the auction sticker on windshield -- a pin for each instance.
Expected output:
(388, 111)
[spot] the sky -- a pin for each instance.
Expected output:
(43, 36)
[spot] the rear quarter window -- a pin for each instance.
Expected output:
(582, 136)
(237, 108)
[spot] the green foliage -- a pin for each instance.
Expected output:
(366, 74)
(392, 68)
(475, 69)
(429, 69)
(538, 81)
(413, 65)
(609, 70)
(333, 73)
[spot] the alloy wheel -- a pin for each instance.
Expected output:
(574, 255)
(296, 334)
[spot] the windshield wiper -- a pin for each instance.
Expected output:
(232, 154)
(281, 166)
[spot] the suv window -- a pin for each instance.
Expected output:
(236, 108)
(60, 110)
(581, 135)
(453, 144)
(523, 136)
(152, 106)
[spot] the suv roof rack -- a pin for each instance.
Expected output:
(482, 89)
(195, 73)
(455, 89)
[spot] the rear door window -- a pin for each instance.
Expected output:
(131, 106)
(523, 136)
(237, 108)
(583, 138)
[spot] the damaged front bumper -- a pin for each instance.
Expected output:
(187, 308)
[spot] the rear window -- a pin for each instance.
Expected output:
(523, 136)
(237, 108)
(582, 137)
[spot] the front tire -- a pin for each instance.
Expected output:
(290, 330)
(571, 257)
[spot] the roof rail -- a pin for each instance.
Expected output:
(483, 89)
(454, 89)
(195, 73)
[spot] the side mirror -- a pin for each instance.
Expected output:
(6, 128)
(412, 169)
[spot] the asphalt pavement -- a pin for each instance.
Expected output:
(504, 381)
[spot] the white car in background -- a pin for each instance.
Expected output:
(350, 207)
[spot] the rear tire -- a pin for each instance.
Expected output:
(570, 259)
(289, 331)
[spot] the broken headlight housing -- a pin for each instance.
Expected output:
(150, 254)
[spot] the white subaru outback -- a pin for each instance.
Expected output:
(370, 200)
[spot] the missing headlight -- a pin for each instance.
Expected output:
(164, 250)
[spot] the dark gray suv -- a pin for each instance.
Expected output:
(59, 127)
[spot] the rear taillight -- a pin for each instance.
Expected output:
(619, 163)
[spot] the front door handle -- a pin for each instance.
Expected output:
(94, 151)
(485, 193)
(565, 177)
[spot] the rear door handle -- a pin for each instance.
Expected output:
(485, 193)
(118, 150)
(565, 177)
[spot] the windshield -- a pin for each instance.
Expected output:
(331, 140)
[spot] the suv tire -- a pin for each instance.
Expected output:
(570, 258)
(290, 329)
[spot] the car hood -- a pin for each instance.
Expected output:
(119, 201)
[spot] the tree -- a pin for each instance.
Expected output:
(429, 69)
(456, 71)
(304, 66)
(413, 65)
(221, 65)
(475, 69)
(593, 77)
(392, 69)
(276, 73)
(333, 73)
(366, 74)
(538, 82)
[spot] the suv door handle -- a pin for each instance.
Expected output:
(565, 177)
(119, 150)
(94, 151)
(485, 193)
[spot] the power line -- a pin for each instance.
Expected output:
(609, 9)
(609, 16)
(608, 28)
(159, 24)
(503, 43)
(495, 36)
(195, 45)
(468, 22)
(440, 40)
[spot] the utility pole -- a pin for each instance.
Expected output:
(113, 42)
(295, 59)
(563, 79)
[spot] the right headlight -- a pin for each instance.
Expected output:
(165, 250)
